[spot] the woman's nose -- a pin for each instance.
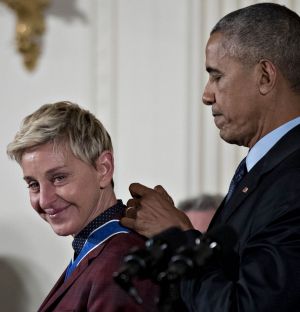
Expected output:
(47, 196)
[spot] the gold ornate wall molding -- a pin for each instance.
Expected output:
(30, 25)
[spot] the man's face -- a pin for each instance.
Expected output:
(63, 189)
(233, 94)
(200, 218)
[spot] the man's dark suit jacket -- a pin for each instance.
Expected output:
(265, 212)
(91, 287)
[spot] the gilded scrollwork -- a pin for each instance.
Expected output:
(30, 25)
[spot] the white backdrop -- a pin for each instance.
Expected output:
(139, 66)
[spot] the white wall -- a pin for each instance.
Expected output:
(31, 256)
(139, 66)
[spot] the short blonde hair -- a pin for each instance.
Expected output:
(62, 122)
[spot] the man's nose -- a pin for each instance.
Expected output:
(208, 97)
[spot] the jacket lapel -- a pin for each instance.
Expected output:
(281, 150)
(62, 286)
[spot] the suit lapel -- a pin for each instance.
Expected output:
(243, 191)
(281, 150)
(62, 286)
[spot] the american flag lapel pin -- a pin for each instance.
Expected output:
(245, 190)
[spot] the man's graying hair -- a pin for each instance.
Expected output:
(202, 202)
(264, 31)
(61, 123)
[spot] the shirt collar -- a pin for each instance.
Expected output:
(260, 149)
(114, 212)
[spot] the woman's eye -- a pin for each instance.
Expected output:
(34, 186)
(58, 178)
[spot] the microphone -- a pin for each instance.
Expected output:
(217, 243)
(150, 261)
(170, 255)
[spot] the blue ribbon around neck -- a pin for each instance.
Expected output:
(96, 238)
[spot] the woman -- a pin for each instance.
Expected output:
(67, 160)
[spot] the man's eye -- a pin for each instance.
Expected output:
(215, 77)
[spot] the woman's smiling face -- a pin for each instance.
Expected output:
(63, 189)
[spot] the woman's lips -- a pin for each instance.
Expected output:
(53, 213)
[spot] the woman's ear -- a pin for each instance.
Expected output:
(267, 76)
(105, 167)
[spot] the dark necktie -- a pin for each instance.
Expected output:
(238, 175)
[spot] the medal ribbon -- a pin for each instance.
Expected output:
(96, 238)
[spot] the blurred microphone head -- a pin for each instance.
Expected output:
(223, 235)
(226, 238)
(216, 244)
(218, 241)
(145, 262)
(149, 261)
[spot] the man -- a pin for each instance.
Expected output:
(201, 209)
(253, 61)
(67, 160)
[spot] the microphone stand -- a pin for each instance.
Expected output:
(169, 297)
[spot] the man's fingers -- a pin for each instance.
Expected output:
(131, 212)
(138, 190)
(132, 207)
(128, 222)
(132, 202)
(159, 189)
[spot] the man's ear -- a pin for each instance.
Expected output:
(105, 167)
(267, 76)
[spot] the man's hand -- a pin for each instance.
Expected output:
(151, 211)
